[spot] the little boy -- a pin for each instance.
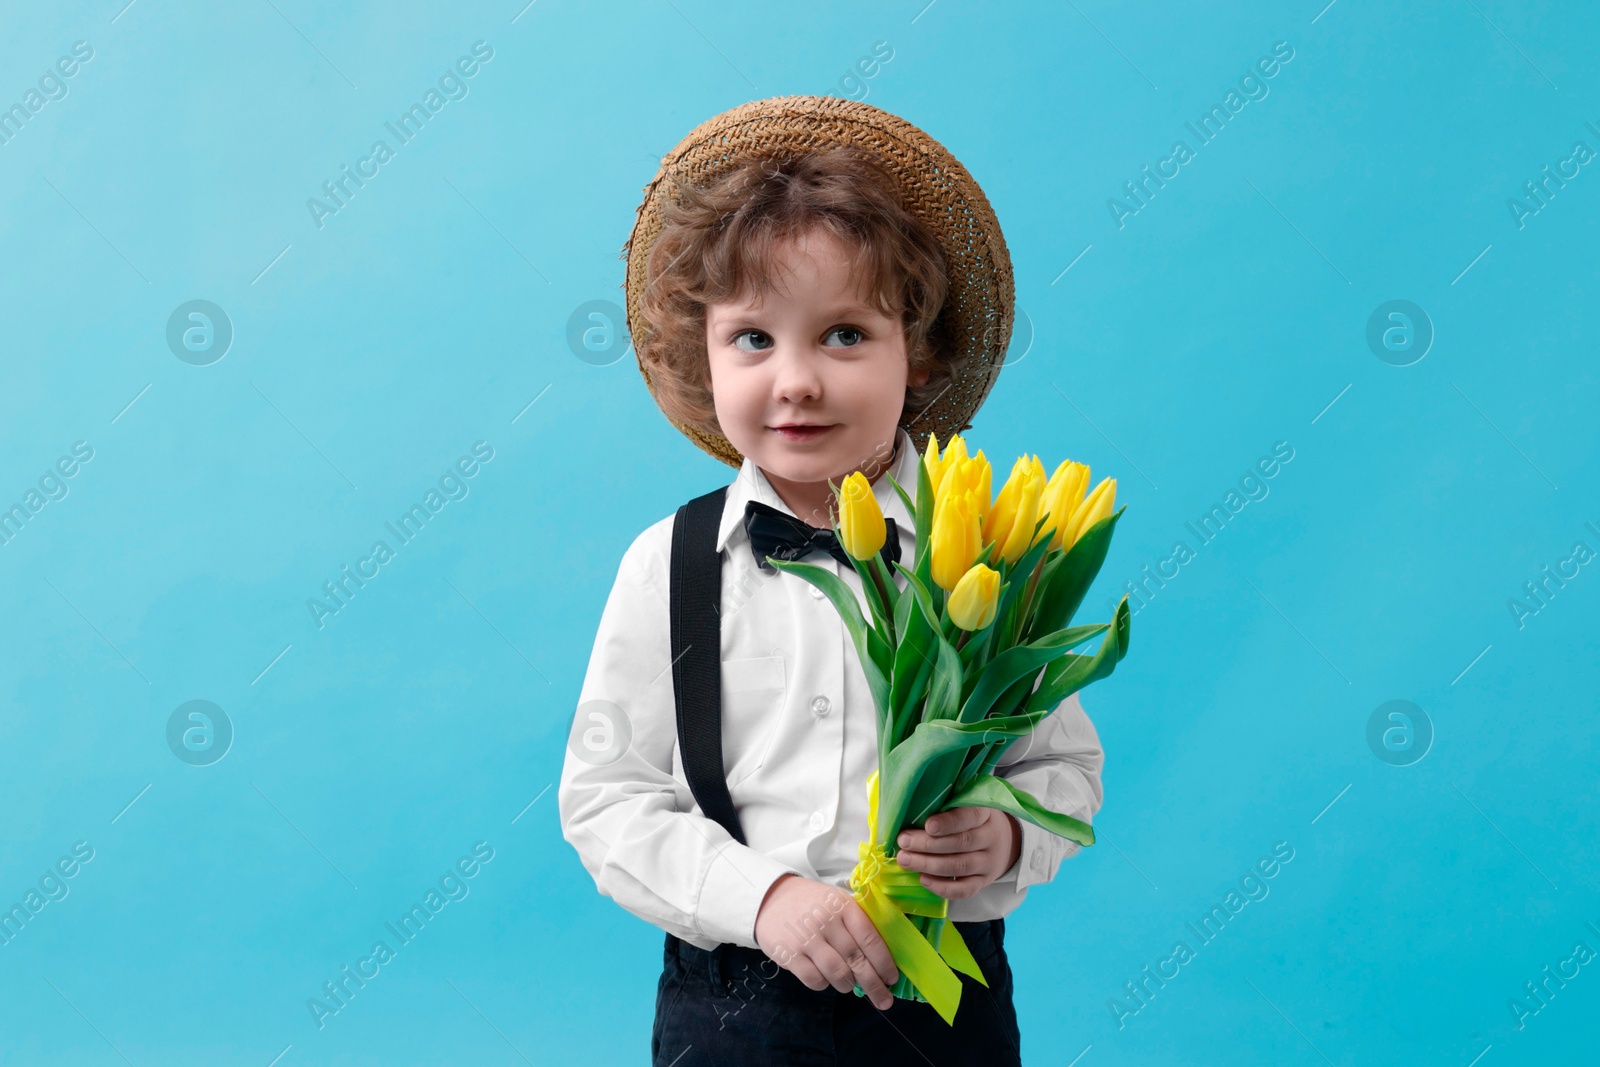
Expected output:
(798, 312)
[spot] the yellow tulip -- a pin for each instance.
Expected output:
(955, 453)
(956, 539)
(1009, 525)
(997, 524)
(1062, 495)
(974, 599)
(1100, 503)
(979, 475)
(931, 460)
(1021, 538)
(861, 526)
(968, 475)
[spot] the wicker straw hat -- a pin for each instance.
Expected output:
(936, 189)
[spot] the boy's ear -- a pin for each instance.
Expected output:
(919, 376)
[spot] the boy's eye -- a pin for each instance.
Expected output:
(761, 341)
(854, 335)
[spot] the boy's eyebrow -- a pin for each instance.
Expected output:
(713, 315)
(857, 309)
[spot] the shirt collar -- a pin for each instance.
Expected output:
(751, 484)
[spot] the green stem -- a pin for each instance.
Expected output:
(875, 568)
(1026, 607)
(916, 699)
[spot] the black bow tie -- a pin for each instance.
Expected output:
(782, 536)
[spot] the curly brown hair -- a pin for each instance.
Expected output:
(718, 243)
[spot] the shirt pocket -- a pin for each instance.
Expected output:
(753, 693)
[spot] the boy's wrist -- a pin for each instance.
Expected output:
(765, 897)
(1016, 843)
(736, 885)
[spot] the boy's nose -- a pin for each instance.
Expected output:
(797, 377)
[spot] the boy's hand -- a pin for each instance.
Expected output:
(820, 933)
(962, 850)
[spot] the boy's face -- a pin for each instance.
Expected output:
(813, 353)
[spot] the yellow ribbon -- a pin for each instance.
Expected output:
(888, 892)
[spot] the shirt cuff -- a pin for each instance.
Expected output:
(735, 886)
(1042, 852)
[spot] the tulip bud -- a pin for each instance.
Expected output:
(973, 601)
(861, 526)
(936, 466)
(956, 539)
(1001, 517)
(1010, 523)
(939, 468)
(980, 476)
(1020, 537)
(955, 449)
(956, 460)
(1062, 495)
(969, 475)
(1100, 503)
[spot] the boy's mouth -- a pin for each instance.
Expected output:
(801, 431)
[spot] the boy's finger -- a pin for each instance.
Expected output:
(833, 966)
(868, 937)
(802, 968)
(872, 985)
(954, 888)
(944, 865)
(923, 841)
(877, 993)
(974, 839)
(915, 840)
(862, 970)
(955, 820)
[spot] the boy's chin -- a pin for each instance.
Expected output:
(834, 456)
(798, 469)
(803, 463)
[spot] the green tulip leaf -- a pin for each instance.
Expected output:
(1059, 600)
(944, 692)
(903, 607)
(923, 516)
(880, 611)
(944, 700)
(912, 665)
(917, 588)
(1004, 670)
(1017, 580)
(991, 791)
(870, 647)
(1071, 673)
(902, 770)
(905, 498)
(880, 567)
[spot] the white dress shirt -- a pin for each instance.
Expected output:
(799, 738)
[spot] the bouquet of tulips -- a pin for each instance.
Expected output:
(968, 657)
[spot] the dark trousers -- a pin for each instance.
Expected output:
(733, 1006)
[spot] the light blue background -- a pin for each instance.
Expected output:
(430, 713)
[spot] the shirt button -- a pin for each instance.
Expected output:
(817, 821)
(816, 594)
(820, 706)
(1036, 860)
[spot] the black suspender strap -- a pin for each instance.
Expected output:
(695, 595)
